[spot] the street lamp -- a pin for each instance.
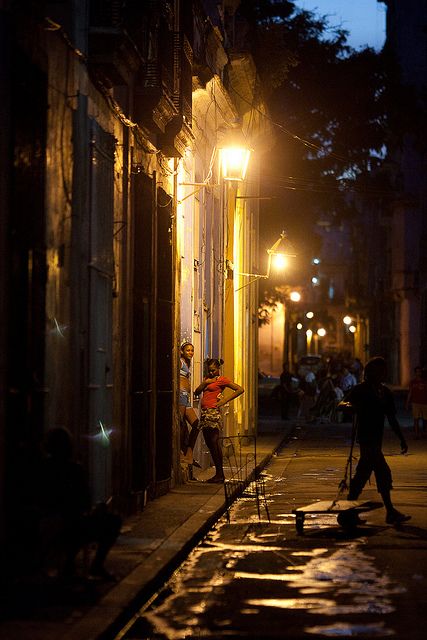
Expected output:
(278, 258)
(279, 261)
(234, 155)
(234, 163)
(347, 320)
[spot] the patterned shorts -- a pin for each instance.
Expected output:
(211, 418)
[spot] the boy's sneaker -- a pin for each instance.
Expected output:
(395, 517)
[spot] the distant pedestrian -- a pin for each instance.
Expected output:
(287, 392)
(356, 368)
(326, 401)
(372, 401)
(187, 413)
(417, 397)
(308, 396)
(212, 389)
(347, 380)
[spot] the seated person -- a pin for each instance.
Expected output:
(63, 499)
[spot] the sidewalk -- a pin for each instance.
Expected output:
(151, 545)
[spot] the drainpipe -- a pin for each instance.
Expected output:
(153, 338)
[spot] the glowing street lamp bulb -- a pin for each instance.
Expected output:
(352, 328)
(309, 315)
(346, 320)
(316, 261)
(295, 296)
(321, 332)
(280, 261)
(234, 162)
(299, 326)
(309, 333)
(315, 280)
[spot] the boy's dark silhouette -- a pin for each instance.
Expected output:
(372, 401)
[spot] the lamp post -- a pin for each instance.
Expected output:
(321, 333)
(309, 335)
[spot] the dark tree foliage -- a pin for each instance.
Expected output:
(335, 112)
(328, 103)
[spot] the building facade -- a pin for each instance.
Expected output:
(120, 235)
(404, 219)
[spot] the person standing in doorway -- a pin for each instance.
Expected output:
(372, 401)
(187, 413)
(212, 389)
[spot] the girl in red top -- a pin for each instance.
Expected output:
(210, 419)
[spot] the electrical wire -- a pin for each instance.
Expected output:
(307, 143)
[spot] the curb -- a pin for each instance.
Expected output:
(106, 618)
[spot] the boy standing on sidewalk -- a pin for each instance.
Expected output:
(372, 401)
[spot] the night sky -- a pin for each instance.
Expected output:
(364, 19)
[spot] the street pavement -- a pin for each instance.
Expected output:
(307, 468)
(257, 577)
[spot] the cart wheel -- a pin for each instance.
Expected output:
(348, 519)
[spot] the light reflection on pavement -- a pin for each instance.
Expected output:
(252, 578)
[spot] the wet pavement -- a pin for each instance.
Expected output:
(253, 577)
